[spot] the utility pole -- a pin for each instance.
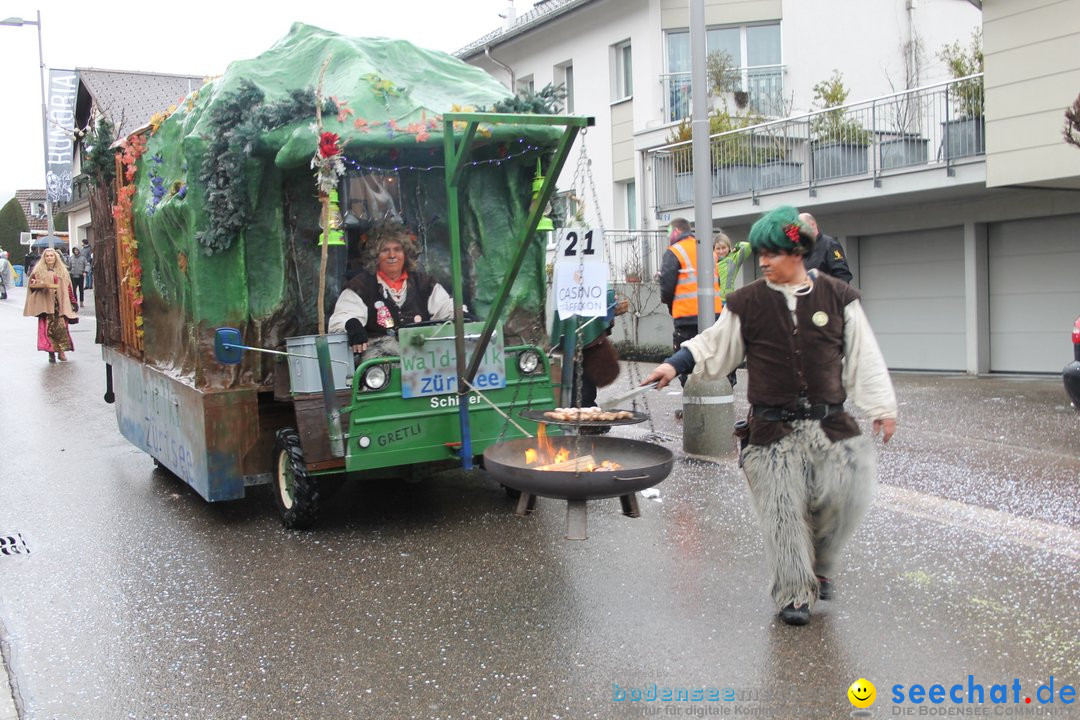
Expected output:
(699, 113)
(19, 22)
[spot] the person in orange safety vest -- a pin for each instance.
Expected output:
(678, 282)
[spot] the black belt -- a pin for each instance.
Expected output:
(811, 412)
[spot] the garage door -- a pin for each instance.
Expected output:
(1034, 284)
(913, 292)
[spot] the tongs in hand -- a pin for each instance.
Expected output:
(614, 402)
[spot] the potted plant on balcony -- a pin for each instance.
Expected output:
(837, 142)
(903, 143)
(964, 134)
(682, 160)
(732, 154)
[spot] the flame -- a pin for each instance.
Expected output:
(546, 454)
(545, 451)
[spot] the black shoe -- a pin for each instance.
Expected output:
(793, 614)
(826, 590)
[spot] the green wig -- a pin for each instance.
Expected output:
(780, 230)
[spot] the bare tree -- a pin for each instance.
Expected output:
(1072, 123)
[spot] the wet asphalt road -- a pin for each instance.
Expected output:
(139, 600)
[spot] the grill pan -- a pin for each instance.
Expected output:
(643, 465)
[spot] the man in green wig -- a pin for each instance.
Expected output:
(808, 346)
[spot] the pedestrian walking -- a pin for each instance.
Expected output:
(828, 255)
(89, 255)
(77, 269)
(29, 262)
(679, 285)
(729, 259)
(51, 299)
(808, 346)
(7, 275)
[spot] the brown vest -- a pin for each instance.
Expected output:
(420, 287)
(785, 360)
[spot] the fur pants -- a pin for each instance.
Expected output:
(810, 494)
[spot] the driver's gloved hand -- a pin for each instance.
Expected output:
(356, 332)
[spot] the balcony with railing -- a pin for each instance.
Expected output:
(634, 254)
(758, 89)
(937, 126)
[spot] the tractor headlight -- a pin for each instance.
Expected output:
(528, 362)
(376, 377)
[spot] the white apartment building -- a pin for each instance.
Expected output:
(966, 252)
(627, 63)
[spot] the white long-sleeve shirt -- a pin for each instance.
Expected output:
(349, 305)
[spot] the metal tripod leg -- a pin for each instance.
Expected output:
(576, 520)
(526, 504)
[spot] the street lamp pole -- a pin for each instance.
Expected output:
(19, 22)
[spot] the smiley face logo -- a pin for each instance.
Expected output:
(862, 693)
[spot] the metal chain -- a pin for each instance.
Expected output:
(582, 175)
(575, 394)
(513, 405)
(584, 168)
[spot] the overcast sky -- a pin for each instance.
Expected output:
(190, 37)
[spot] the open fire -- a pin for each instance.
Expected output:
(559, 460)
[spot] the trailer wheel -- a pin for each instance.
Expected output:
(296, 496)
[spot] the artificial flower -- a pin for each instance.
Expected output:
(328, 145)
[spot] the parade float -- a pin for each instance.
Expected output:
(240, 213)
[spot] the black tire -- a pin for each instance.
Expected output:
(295, 494)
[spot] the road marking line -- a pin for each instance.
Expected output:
(1038, 534)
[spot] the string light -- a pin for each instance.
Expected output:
(473, 163)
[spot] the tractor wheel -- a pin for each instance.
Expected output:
(296, 495)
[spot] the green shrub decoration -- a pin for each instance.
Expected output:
(549, 101)
(237, 122)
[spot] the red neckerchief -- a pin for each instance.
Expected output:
(393, 284)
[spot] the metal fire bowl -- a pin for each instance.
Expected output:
(643, 465)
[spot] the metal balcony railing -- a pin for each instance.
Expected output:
(928, 127)
(761, 87)
(631, 252)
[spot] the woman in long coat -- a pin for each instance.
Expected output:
(51, 298)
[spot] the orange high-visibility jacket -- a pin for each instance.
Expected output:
(685, 302)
